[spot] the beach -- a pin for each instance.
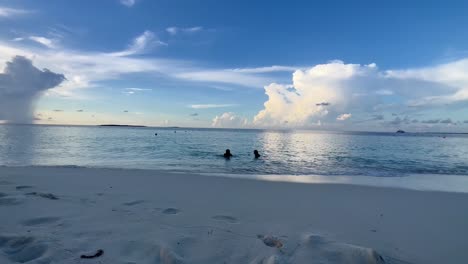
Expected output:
(58, 214)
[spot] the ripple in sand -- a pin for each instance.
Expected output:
(225, 218)
(171, 211)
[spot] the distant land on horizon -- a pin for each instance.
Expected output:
(114, 125)
(217, 128)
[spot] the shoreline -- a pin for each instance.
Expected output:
(415, 182)
(142, 215)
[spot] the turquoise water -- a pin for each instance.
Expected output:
(200, 150)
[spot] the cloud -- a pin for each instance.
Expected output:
(397, 121)
(50, 43)
(378, 117)
(178, 30)
(205, 106)
(431, 121)
(21, 84)
(332, 85)
(140, 45)
(6, 12)
(85, 69)
(452, 74)
(325, 91)
(274, 68)
(128, 3)
(447, 121)
(343, 117)
(229, 120)
(130, 91)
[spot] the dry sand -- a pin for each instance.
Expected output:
(55, 215)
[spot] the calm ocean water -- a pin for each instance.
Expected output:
(200, 150)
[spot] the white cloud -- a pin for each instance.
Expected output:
(50, 43)
(360, 89)
(343, 117)
(274, 68)
(452, 74)
(83, 69)
(301, 103)
(206, 106)
(86, 69)
(140, 45)
(138, 89)
(229, 120)
(6, 12)
(20, 85)
(128, 3)
(178, 30)
(130, 91)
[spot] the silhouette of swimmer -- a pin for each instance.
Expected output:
(155, 134)
(257, 155)
(227, 154)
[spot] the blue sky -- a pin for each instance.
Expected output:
(346, 65)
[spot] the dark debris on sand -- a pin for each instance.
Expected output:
(270, 241)
(98, 253)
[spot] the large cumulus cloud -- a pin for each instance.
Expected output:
(20, 85)
(325, 91)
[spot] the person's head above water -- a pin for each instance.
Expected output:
(227, 154)
(257, 155)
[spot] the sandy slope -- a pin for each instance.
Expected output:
(140, 216)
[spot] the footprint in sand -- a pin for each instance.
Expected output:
(225, 218)
(40, 221)
(132, 203)
(22, 187)
(171, 211)
(21, 249)
(49, 196)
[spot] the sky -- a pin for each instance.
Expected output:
(333, 65)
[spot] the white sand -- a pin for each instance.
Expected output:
(139, 216)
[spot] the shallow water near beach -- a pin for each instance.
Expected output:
(200, 150)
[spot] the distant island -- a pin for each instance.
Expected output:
(112, 125)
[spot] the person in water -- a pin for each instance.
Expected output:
(227, 154)
(257, 155)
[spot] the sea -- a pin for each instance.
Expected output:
(322, 153)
